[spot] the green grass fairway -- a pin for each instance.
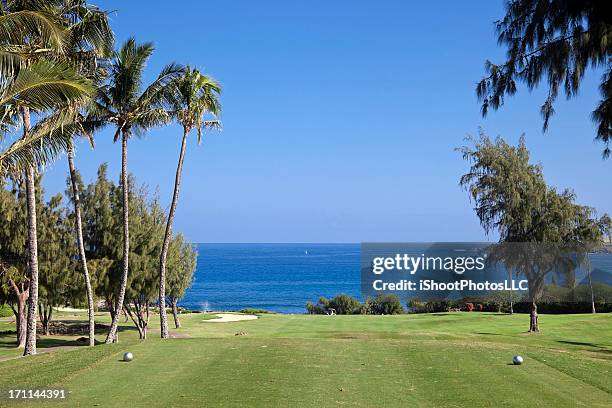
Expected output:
(436, 360)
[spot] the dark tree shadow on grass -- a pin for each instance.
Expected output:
(8, 341)
(580, 343)
(75, 337)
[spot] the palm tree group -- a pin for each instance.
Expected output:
(58, 69)
(132, 111)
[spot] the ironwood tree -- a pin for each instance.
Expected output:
(181, 264)
(539, 228)
(56, 260)
(556, 42)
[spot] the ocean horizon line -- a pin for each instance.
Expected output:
(337, 243)
(279, 243)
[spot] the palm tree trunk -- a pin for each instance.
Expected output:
(168, 235)
(81, 245)
(177, 322)
(30, 344)
(112, 334)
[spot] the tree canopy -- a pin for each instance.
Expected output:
(555, 41)
(539, 228)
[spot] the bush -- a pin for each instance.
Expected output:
(555, 300)
(563, 307)
(432, 306)
(367, 308)
(582, 293)
(253, 311)
(387, 304)
(312, 308)
(416, 306)
(323, 302)
(344, 304)
(499, 301)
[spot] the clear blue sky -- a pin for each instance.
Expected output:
(340, 120)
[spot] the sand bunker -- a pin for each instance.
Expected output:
(230, 317)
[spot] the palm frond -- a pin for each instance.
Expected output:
(11, 60)
(150, 118)
(90, 29)
(10, 117)
(156, 92)
(45, 85)
(207, 124)
(126, 71)
(192, 97)
(15, 26)
(45, 141)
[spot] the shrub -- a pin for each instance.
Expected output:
(323, 302)
(563, 307)
(318, 308)
(367, 308)
(344, 304)
(253, 311)
(555, 300)
(416, 306)
(431, 306)
(499, 300)
(312, 308)
(387, 304)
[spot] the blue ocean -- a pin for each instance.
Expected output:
(283, 277)
(276, 277)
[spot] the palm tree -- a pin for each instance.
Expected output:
(91, 38)
(29, 34)
(192, 96)
(132, 112)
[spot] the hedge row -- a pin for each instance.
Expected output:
(473, 305)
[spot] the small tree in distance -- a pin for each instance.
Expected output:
(605, 225)
(181, 265)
